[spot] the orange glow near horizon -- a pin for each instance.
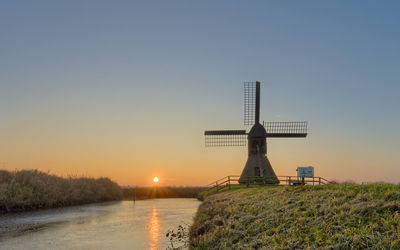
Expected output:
(124, 151)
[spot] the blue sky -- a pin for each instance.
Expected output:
(123, 77)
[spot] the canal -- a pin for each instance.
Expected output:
(112, 225)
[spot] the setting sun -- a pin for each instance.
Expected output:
(155, 179)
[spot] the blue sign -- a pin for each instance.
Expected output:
(305, 171)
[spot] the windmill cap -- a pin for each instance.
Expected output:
(258, 130)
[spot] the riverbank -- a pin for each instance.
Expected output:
(331, 216)
(31, 189)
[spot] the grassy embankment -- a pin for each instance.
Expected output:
(338, 216)
(32, 189)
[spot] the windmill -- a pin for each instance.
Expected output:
(257, 163)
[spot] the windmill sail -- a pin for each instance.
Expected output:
(251, 103)
(221, 138)
(286, 129)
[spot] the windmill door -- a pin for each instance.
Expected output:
(257, 171)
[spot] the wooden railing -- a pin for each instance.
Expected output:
(233, 180)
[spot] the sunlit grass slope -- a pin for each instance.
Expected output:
(338, 216)
(32, 189)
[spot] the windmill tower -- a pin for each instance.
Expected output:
(257, 163)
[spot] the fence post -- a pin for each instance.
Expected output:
(290, 180)
(229, 182)
(319, 181)
(216, 185)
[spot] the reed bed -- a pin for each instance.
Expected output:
(31, 189)
(336, 216)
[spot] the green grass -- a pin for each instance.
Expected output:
(337, 216)
(32, 189)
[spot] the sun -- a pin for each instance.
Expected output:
(155, 179)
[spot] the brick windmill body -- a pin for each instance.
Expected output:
(257, 163)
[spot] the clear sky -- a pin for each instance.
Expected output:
(126, 89)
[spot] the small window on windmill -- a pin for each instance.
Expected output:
(305, 171)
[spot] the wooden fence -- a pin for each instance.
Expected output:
(233, 180)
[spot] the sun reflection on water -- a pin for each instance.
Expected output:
(154, 230)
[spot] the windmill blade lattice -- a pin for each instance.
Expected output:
(223, 138)
(286, 129)
(250, 103)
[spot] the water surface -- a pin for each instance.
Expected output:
(112, 225)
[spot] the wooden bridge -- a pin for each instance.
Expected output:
(233, 180)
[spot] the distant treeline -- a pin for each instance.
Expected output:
(31, 189)
(141, 193)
